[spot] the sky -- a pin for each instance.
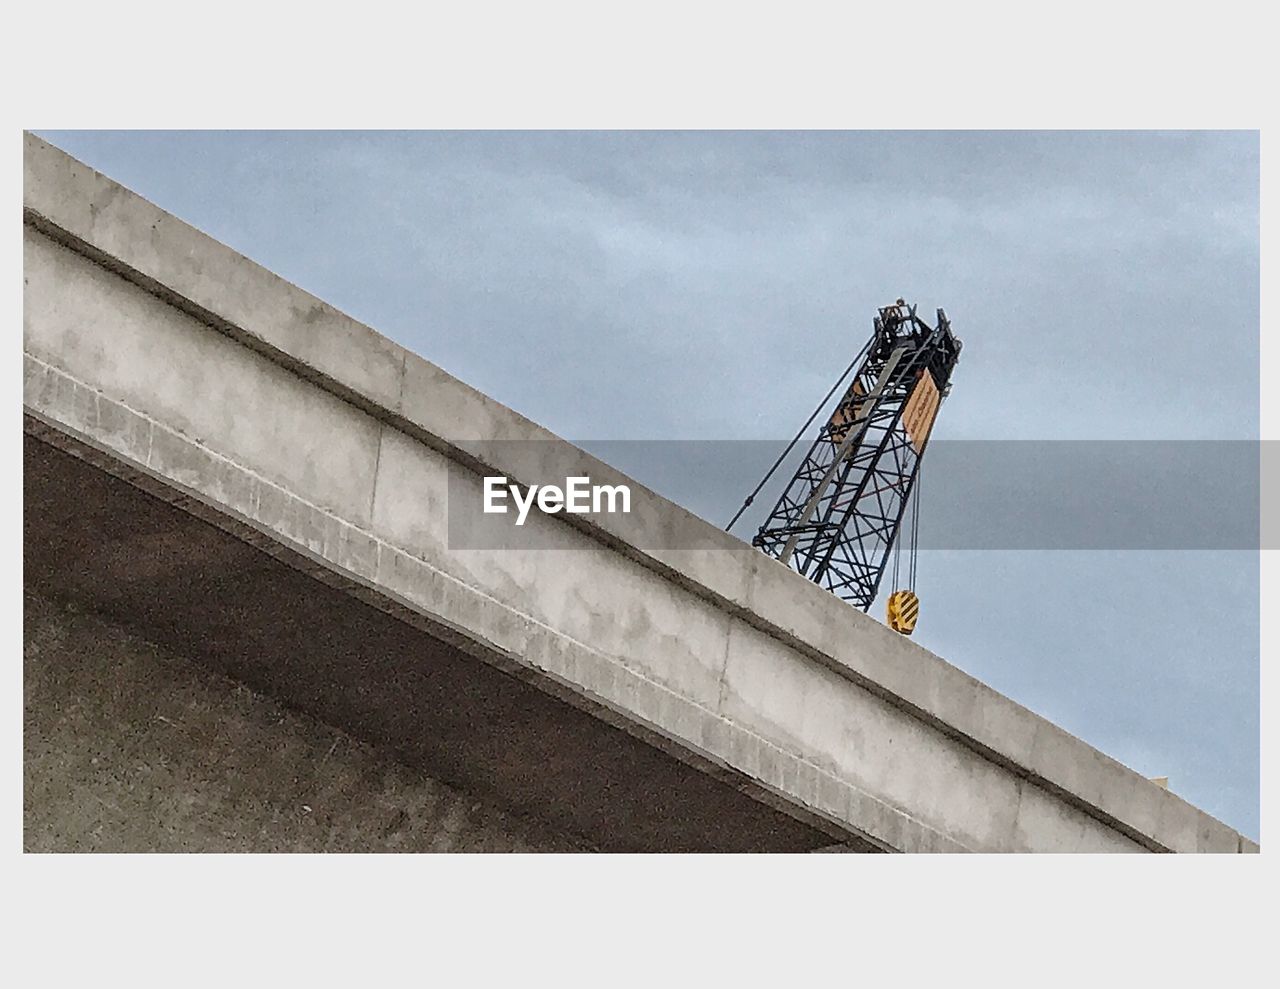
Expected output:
(710, 286)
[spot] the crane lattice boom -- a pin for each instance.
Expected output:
(837, 519)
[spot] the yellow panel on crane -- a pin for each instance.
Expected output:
(921, 407)
(846, 414)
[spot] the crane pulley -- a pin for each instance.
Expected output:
(840, 515)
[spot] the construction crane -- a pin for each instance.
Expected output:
(839, 517)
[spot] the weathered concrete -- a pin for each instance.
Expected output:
(245, 460)
(202, 593)
(130, 748)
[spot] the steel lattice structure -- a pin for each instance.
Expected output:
(837, 519)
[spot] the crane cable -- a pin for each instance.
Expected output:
(913, 537)
(902, 609)
(915, 527)
(808, 422)
(897, 558)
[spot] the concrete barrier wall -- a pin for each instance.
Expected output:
(202, 371)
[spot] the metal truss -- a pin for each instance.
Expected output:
(836, 521)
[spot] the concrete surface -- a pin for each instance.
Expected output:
(199, 592)
(231, 459)
(131, 748)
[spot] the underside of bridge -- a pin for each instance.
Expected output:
(101, 545)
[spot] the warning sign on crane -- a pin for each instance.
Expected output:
(921, 407)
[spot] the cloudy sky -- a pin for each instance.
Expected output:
(710, 286)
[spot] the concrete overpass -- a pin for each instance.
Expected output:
(249, 528)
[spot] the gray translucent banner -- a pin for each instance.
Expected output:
(975, 495)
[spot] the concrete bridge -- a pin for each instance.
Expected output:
(248, 534)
